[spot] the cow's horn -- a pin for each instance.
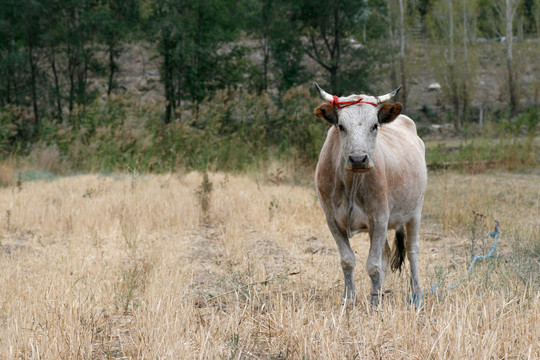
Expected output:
(384, 98)
(326, 96)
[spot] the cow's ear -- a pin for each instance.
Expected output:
(388, 112)
(327, 112)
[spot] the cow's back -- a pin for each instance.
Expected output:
(404, 129)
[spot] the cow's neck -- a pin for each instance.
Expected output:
(352, 183)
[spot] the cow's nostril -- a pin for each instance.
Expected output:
(355, 160)
(362, 159)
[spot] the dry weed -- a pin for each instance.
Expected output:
(6, 174)
(47, 158)
(125, 271)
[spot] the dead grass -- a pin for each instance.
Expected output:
(47, 158)
(122, 268)
(6, 174)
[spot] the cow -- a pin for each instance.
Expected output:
(371, 177)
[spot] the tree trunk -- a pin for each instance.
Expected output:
(82, 77)
(334, 79)
(33, 75)
(265, 44)
(56, 85)
(393, 45)
(265, 66)
(335, 52)
(169, 87)
(465, 77)
(71, 76)
(510, 11)
(112, 67)
(402, 4)
(330, 44)
(454, 88)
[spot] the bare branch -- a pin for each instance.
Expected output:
(315, 54)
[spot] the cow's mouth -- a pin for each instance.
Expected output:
(359, 169)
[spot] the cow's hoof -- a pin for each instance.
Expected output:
(349, 300)
(375, 300)
(378, 297)
(417, 300)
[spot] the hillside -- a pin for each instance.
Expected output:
(139, 74)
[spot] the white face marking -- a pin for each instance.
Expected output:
(358, 127)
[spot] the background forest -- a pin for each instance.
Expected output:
(159, 85)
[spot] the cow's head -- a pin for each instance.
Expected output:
(358, 118)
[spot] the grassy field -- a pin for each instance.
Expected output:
(244, 267)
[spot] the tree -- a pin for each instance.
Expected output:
(191, 41)
(328, 27)
(396, 20)
(78, 27)
(31, 18)
(53, 37)
(272, 23)
(536, 16)
(110, 32)
(12, 57)
(506, 11)
(451, 25)
(402, 44)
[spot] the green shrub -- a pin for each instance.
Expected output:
(303, 133)
(231, 131)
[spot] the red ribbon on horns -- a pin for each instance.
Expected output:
(342, 104)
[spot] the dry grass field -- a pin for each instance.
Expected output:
(131, 267)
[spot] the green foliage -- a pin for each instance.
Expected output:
(113, 135)
(11, 123)
(231, 131)
(302, 134)
(226, 133)
(328, 28)
(49, 52)
(190, 35)
(524, 124)
(481, 154)
(274, 25)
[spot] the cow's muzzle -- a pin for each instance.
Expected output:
(359, 163)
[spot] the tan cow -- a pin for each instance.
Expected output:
(371, 177)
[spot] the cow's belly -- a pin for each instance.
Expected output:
(359, 220)
(397, 220)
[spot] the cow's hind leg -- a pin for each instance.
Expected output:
(346, 255)
(413, 249)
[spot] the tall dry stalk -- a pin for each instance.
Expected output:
(204, 197)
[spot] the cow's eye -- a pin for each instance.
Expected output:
(341, 128)
(375, 127)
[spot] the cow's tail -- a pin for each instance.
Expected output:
(398, 256)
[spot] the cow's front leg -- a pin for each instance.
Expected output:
(346, 255)
(374, 265)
